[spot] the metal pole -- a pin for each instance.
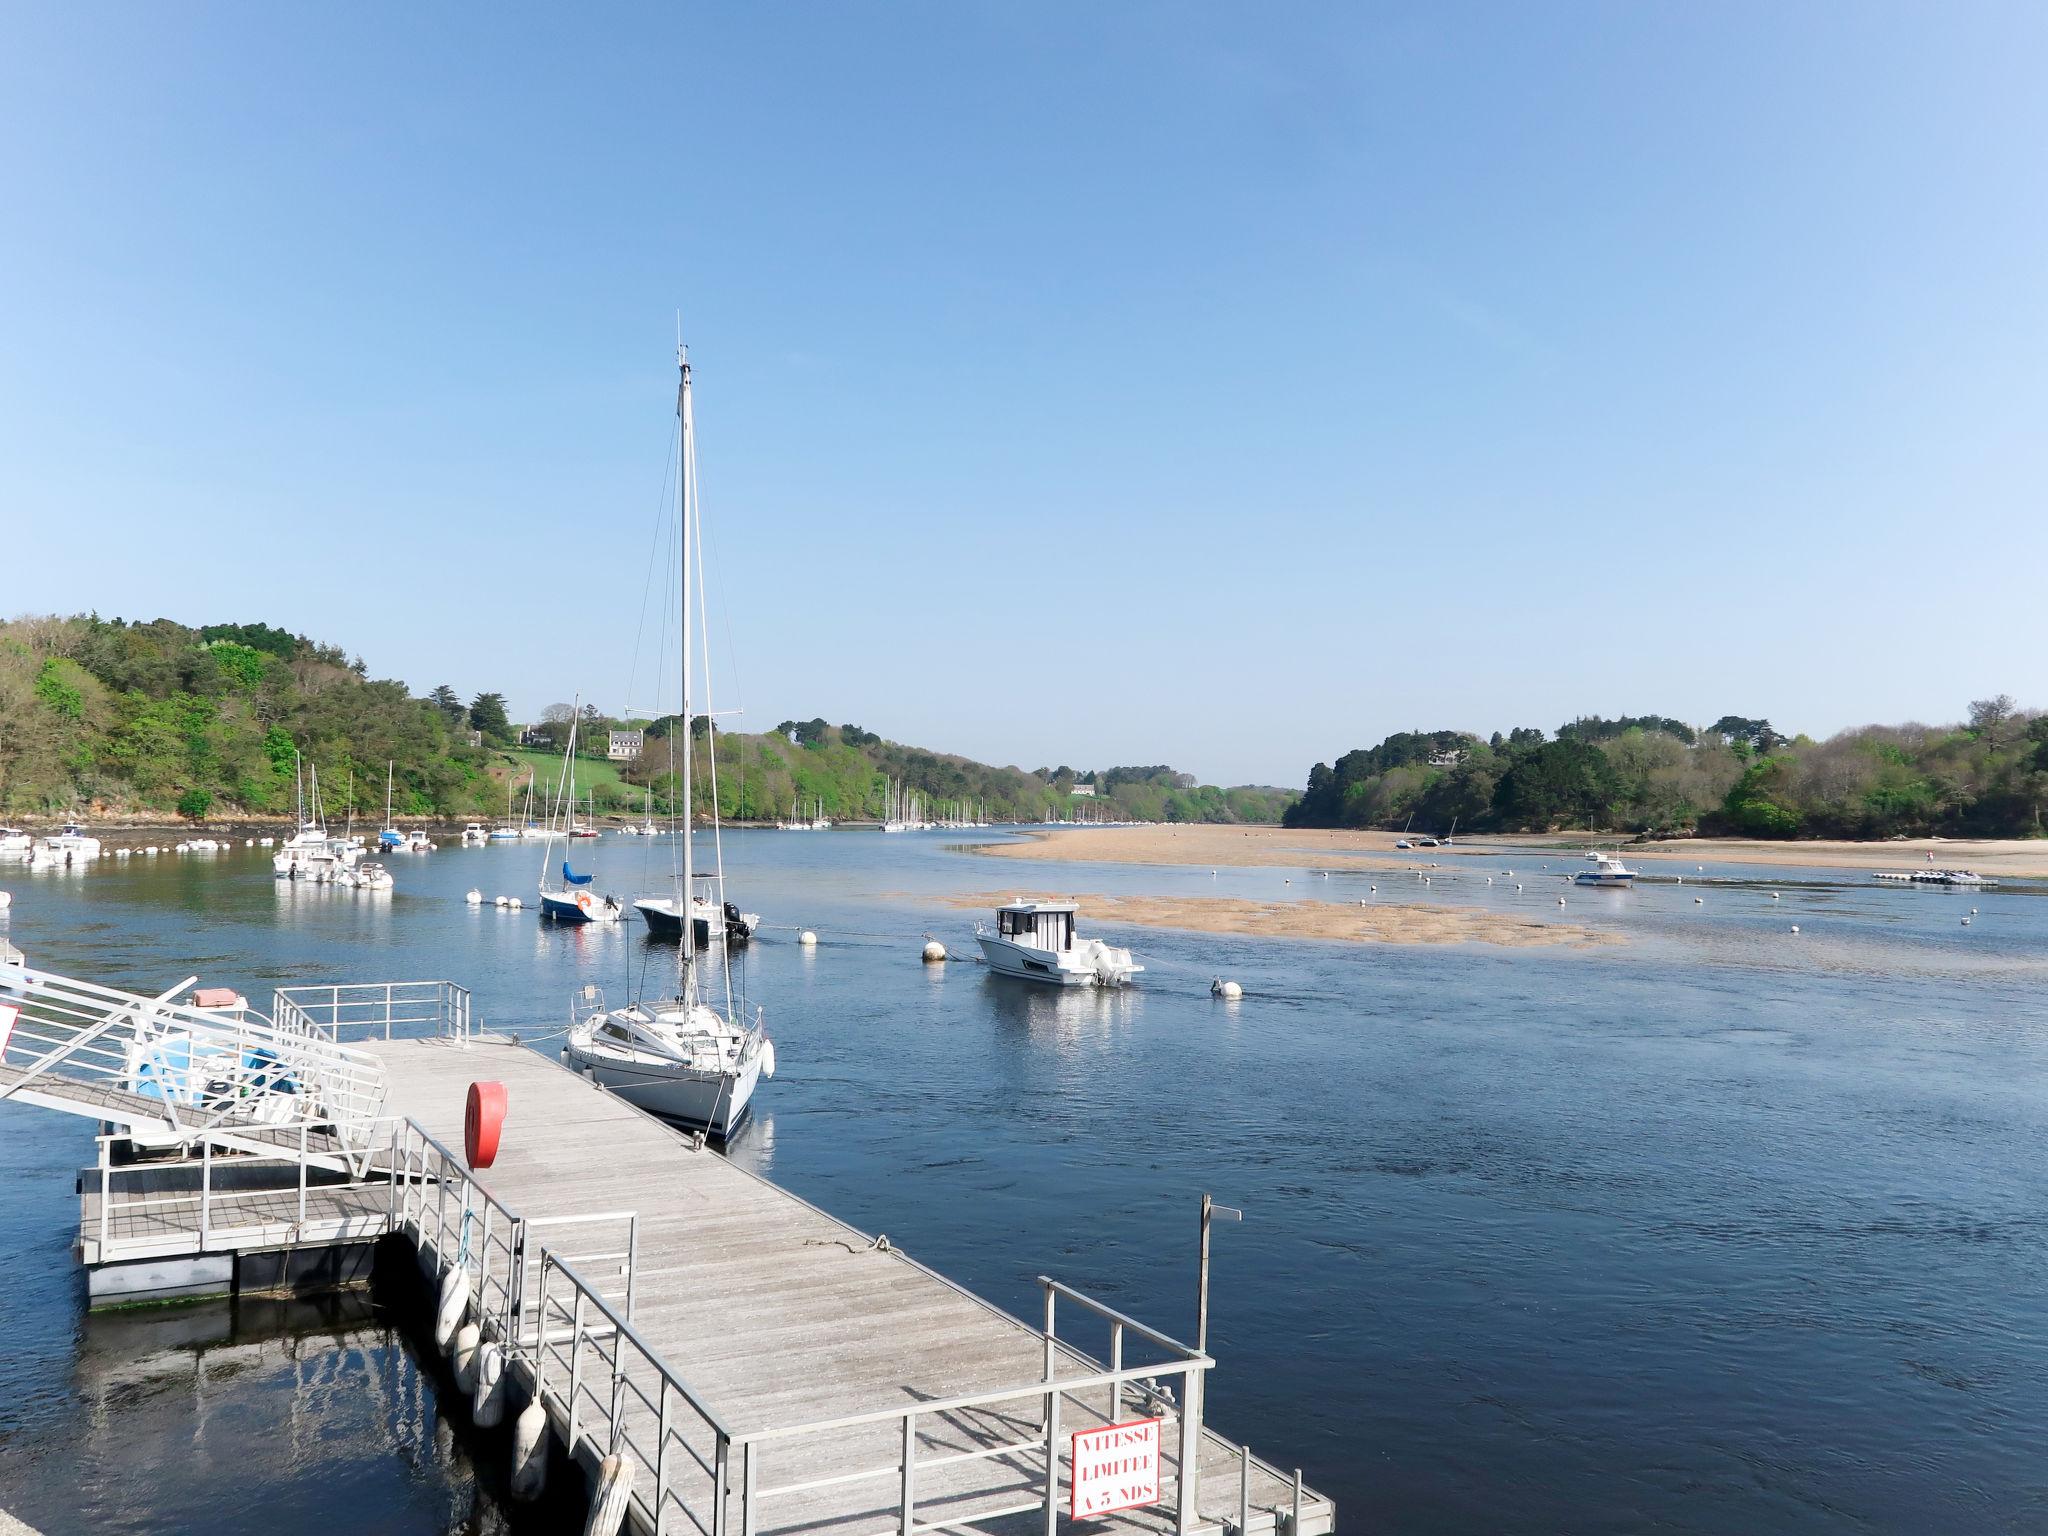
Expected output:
(661, 1456)
(575, 1369)
(1116, 1363)
(746, 1452)
(908, 1519)
(1052, 1463)
(205, 1190)
(106, 1192)
(1210, 1209)
(1294, 1529)
(1187, 1514)
(1244, 1489)
(1051, 1302)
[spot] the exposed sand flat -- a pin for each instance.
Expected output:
(1218, 846)
(1388, 922)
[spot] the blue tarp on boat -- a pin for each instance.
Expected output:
(574, 878)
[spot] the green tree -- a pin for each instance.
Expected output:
(487, 714)
(195, 803)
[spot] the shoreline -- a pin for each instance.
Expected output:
(1387, 922)
(1269, 847)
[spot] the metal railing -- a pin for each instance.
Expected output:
(166, 1067)
(173, 1218)
(376, 1010)
(1037, 1453)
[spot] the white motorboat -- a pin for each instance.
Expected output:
(1607, 870)
(1035, 941)
(475, 835)
(715, 922)
(680, 1057)
(1948, 877)
(310, 853)
(71, 846)
(15, 841)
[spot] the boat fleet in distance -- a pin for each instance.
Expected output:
(1931, 877)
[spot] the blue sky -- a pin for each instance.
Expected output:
(1305, 372)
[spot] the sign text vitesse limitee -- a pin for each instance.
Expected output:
(1116, 1467)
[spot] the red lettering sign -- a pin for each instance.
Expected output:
(1115, 1467)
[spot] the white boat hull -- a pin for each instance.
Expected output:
(1054, 969)
(589, 909)
(716, 1101)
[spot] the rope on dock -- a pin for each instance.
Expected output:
(879, 1245)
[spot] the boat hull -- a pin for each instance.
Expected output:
(568, 909)
(1028, 964)
(1616, 882)
(716, 1102)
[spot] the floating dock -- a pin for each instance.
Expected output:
(743, 1362)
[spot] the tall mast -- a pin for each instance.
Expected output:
(686, 898)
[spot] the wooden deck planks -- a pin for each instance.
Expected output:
(776, 1313)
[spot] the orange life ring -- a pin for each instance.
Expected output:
(482, 1121)
(583, 900)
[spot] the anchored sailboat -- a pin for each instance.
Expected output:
(679, 1057)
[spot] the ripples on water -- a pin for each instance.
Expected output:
(1718, 1230)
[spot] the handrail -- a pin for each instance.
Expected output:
(1164, 1341)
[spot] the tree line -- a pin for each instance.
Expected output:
(1986, 776)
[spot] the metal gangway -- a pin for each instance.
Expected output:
(170, 1074)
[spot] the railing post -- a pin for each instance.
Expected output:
(721, 1477)
(1294, 1528)
(632, 1259)
(908, 1513)
(303, 1128)
(1051, 1301)
(1187, 1514)
(575, 1369)
(483, 1265)
(747, 1489)
(617, 1405)
(106, 1193)
(1052, 1462)
(205, 1191)
(1244, 1489)
(661, 1454)
(540, 1340)
(1116, 1363)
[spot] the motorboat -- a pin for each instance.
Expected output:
(714, 922)
(1035, 941)
(475, 835)
(1607, 870)
(681, 1057)
(71, 846)
(419, 842)
(15, 841)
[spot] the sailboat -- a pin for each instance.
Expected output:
(679, 1057)
(390, 836)
(571, 901)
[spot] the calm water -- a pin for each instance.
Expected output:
(1715, 1230)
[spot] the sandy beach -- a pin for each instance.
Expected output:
(1382, 922)
(1217, 846)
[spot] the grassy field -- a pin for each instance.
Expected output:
(591, 773)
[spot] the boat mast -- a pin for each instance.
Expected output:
(686, 898)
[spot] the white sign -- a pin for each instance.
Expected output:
(1115, 1467)
(8, 1014)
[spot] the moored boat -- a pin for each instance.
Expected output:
(1036, 941)
(1607, 871)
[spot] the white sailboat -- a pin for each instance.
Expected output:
(571, 900)
(679, 1057)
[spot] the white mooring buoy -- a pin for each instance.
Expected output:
(608, 1501)
(487, 1405)
(530, 1451)
(1229, 991)
(475, 898)
(448, 1310)
(1795, 927)
(6, 901)
(934, 952)
(514, 903)
(1560, 901)
(1699, 901)
(808, 939)
(463, 1358)
(1966, 922)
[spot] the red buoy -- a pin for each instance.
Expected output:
(481, 1123)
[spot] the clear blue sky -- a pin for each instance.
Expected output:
(1307, 372)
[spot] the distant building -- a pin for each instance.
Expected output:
(476, 738)
(1083, 791)
(625, 745)
(535, 736)
(1449, 759)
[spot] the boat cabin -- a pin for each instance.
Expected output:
(1038, 924)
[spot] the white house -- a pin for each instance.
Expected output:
(625, 745)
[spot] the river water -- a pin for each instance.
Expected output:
(1717, 1229)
